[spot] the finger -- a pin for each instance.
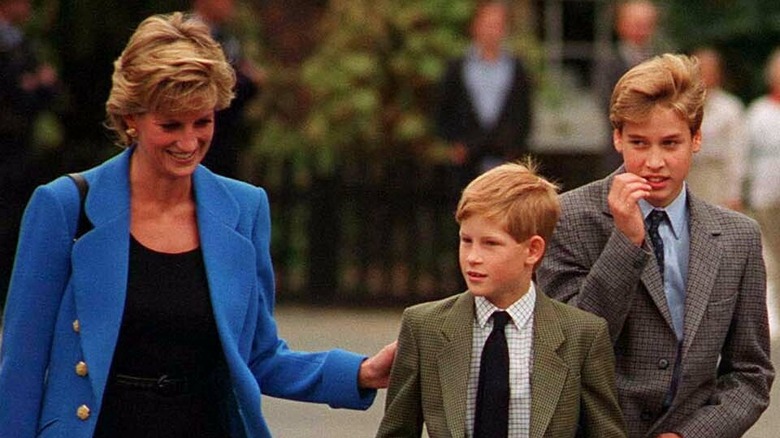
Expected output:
(625, 178)
(628, 193)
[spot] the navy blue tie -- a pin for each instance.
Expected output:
(654, 219)
(492, 410)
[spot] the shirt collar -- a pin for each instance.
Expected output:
(474, 55)
(520, 311)
(677, 211)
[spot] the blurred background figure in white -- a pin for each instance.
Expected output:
(718, 170)
(763, 122)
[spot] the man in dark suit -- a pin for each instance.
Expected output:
(685, 295)
(636, 29)
(484, 107)
(230, 136)
(636, 24)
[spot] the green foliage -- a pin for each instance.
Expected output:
(368, 88)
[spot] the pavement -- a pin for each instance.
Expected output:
(363, 331)
(368, 330)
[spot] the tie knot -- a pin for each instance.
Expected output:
(500, 319)
(655, 218)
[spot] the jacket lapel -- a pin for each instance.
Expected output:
(454, 362)
(702, 268)
(99, 266)
(654, 284)
(228, 256)
(651, 277)
(547, 379)
(549, 370)
(100, 260)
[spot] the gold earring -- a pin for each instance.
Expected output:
(131, 132)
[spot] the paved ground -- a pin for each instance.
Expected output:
(366, 331)
(313, 329)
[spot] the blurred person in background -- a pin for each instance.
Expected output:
(484, 107)
(636, 29)
(27, 86)
(158, 321)
(718, 170)
(231, 133)
(763, 125)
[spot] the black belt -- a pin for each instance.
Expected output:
(163, 385)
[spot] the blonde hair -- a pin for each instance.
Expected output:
(514, 195)
(170, 64)
(669, 80)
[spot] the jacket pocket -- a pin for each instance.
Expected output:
(46, 428)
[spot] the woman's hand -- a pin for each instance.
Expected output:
(375, 371)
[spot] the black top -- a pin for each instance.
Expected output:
(168, 328)
(168, 325)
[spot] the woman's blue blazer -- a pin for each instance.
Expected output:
(66, 300)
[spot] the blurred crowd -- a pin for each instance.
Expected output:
(484, 111)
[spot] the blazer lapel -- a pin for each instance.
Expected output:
(702, 268)
(654, 284)
(651, 277)
(549, 370)
(454, 362)
(228, 256)
(99, 262)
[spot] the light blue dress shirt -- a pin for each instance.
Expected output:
(488, 84)
(677, 242)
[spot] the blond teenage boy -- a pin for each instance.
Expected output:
(560, 364)
(681, 282)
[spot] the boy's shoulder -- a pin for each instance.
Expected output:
(721, 220)
(570, 312)
(440, 306)
(569, 317)
(436, 312)
(587, 200)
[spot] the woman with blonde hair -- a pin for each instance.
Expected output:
(158, 321)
